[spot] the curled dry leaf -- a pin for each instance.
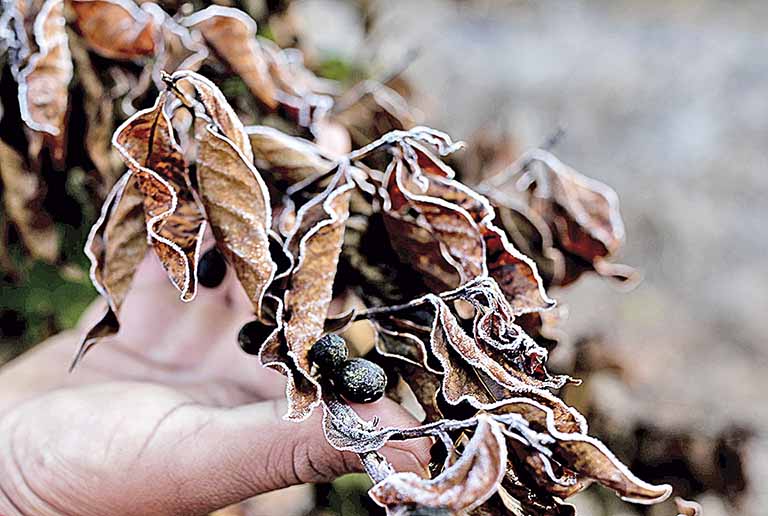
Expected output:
(582, 212)
(316, 245)
(466, 484)
(581, 453)
(22, 197)
(687, 507)
(116, 29)
(232, 34)
(370, 110)
(45, 76)
(421, 194)
(232, 191)
(116, 246)
(175, 220)
(287, 158)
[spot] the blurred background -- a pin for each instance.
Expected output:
(667, 102)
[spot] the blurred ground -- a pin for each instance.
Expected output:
(665, 101)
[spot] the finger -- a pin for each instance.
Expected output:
(230, 455)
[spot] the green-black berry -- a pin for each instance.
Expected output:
(329, 353)
(360, 381)
(211, 268)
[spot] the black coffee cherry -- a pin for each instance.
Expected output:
(211, 268)
(252, 335)
(329, 353)
(361, 381)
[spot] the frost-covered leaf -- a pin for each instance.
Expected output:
(466, 484)
(421, 193)
(44, 71)
(585, 455)
(232, 191)
(286, 158)
(116, 246)
(582, 212)
(175, 221)
(371, 109)
(316, 245)
(22, 197)
(116, 29)
(232, 35)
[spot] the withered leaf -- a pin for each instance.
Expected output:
(370, 110)
(316, 244)
(582, 212)
(287, 158)
(44, 78)
(116, 29)
(116, 246)
(233, 192)
(175, 220)
(461, 221)
(466, 484)
(301, 391)
(585, 455)
(22, 197)
(232, 34)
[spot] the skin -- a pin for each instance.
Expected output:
(169, 417)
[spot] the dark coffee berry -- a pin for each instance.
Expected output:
(211, 268)
(329, 353)
(252, 335)
(361, 381)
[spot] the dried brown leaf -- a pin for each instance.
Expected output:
(116, 29)
(287, 158)
(420, 189)
(585, 455)
(316, 244)
(175, 220)
(22, 197)
(232, 191)
(232, 34)
(465, 485)
(582, 212)
(116, 246)
(44, 78)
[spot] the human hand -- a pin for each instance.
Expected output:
(169, 417)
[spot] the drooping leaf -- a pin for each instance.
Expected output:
(585, 455)
(582, 212)
(316, 244)
(175, 220)
(287, 158)
(235, 197)
(44, 76)
(22, 197)
(466, 484)
(116, 246)
(420, 190)
(116, 29)
(232, 34)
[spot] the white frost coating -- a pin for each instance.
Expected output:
(664, 490)
(155, 220)
(45, 47)
(467, 484)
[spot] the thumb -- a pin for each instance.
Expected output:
(237, 453)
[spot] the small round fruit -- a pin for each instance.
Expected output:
(329, 353)
(252, 335)
(361, 381)
(211, 269)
